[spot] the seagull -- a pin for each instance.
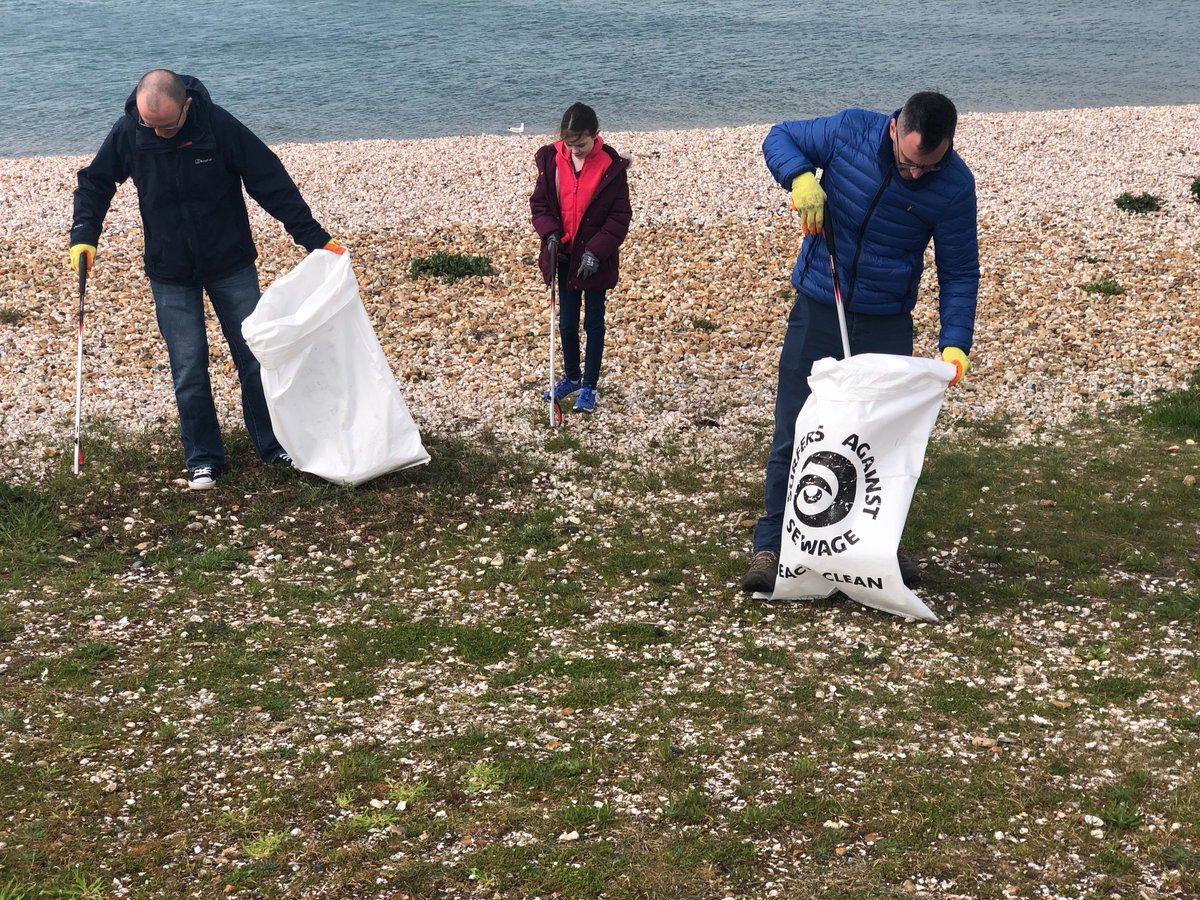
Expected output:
(517, 129)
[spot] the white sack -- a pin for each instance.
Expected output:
(334, 404)
(859, 448)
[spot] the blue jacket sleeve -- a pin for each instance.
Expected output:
(792, 148)
(956, 254)
(97, 183)
(269, 183)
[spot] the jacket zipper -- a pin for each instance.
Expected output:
(187, 215)
(608, 176)
(862, 231)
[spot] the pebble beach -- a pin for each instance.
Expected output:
(695, 325)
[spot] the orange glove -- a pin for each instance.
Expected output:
(334, 247)
(958, 359)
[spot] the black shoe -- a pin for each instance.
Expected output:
(760, 577)
(202, 478)
(910, 572)
(283, 459)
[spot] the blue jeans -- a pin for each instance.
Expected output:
(180, 312)
(569, 302)
(812, 334)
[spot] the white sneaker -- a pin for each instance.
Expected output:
(201, 478)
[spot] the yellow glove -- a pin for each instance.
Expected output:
(959, 360)
(334, 247)
(86, 250)
(809, 200)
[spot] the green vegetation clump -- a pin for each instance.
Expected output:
(1107, 286)
(10, 316)
(1139, 203)
(1177, 414)
(1196, 188)
(450, 266)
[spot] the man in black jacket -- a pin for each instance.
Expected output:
(189, 159)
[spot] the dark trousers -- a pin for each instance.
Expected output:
(569, 303)
(812, 334)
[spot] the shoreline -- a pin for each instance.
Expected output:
(665, 129)
(712, 240)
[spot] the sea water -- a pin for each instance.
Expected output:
(312, 70)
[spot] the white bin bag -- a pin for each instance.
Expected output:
(335, 406)
(860, 445)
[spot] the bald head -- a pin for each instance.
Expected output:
(162, 102)
(159, 92)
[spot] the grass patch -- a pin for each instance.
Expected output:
(1116, 687)
(1176, 414)
(265, 845)
(10, 315)
(1110, 287)
(483, 777)
(636, 635)
(463, 680)
(1139, 203)
(450, 266)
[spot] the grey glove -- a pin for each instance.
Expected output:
(588, 266)
(553, 239)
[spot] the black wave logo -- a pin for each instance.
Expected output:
(825, 489)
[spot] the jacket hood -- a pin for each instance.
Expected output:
(194, 86)
(547, 153)
(563, 152)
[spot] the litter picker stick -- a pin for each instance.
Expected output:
(555, 408)
(77, 465)
(827, 230)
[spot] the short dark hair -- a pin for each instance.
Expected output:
(579, 119)
(163, 83)
(932, 116)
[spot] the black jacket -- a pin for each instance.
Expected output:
(190, 192)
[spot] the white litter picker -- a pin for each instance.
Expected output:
(859, 449)
(334, 403)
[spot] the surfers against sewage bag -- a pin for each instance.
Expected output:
(859, 448)
(334, 404)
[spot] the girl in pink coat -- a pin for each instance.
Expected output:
(580, 205)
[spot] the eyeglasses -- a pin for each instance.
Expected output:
(901, 163)
(173, 127)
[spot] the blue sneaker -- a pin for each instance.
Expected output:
(563, 390)
(586, 401)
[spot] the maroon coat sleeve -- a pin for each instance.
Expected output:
(616, 220)
(543, 204)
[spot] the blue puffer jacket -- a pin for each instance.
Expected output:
(882, 223)
(189, 189)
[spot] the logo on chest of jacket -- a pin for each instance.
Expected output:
(206, 159)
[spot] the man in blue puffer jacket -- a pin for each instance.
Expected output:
(889, 185)
(189, 160)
